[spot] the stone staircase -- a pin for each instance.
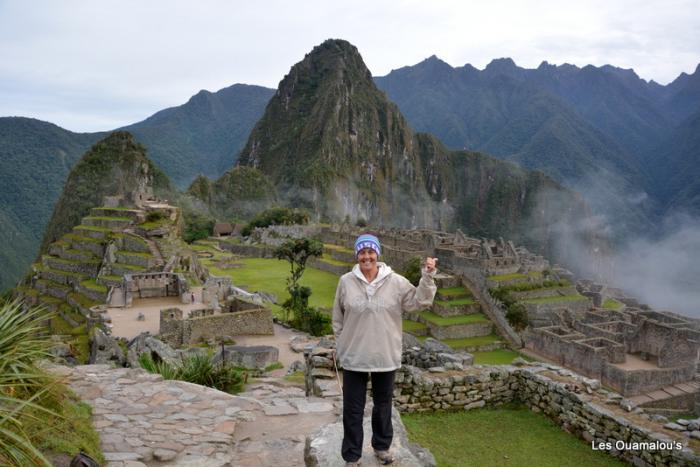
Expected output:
(455, 318)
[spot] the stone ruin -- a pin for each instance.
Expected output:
(236, 317)
(147, 285)
(632, 350)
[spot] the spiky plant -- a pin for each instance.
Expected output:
(22, 384)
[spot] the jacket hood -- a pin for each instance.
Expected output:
(371, 287)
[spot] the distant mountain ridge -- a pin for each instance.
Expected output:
(564, 120)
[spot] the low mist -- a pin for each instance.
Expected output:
(656, 261)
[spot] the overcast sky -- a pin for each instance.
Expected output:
(97, 65)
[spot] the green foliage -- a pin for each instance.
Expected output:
(274, 366)
(36, 412)
(516, 313)
(198, 226)
(155, 216)
(412, 270)
(197, 369)
(297, 252)
(276, 216)
(517, 316)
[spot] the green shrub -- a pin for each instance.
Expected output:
(197, 226)
(412, 270)
(155, 216)
(276, 216)
(517, 316)
(197, 369)
(36, 411)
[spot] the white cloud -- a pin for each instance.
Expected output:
(97, 63)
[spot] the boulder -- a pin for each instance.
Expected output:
(410, 341)
(323, 446)
(432, 345)
(105, 349)
(159, 351)
(297, 365)
(254, 357)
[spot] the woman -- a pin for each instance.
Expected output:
(367, 314)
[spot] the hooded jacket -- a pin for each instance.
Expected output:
(367, 317)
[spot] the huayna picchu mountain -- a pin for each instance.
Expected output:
(108, 223)
(116, 166)
(331, 142)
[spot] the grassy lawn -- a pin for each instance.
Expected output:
(330, 246)
(461, 319)
(611, 304)
(564, 298)
(270, 275)
(451, 292)
(515, 275)
(330, 260)
(497, 357)
(459, 301)
(509, 436)
(472, 341)
(409, 326)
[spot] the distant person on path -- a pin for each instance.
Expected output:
(192, 297)
(367, 317)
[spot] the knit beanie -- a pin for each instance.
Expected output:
(367, 241)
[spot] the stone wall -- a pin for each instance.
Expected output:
(178, 332)
(579, 414)
(458, 331)
(157, 284)
(253, 251)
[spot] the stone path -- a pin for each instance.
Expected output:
(144, 420)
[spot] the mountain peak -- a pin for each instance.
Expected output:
(503, 66)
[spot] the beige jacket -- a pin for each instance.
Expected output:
(367, 317)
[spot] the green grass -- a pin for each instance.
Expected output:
(111, 277)
(75, 275)
(515, 275)
(154, 224)
(508, 436)
(92, 228)
(497, 357)
(612, 304)
(83, 300)
(92, 285)
(458, 302)
(454, 292)
(564, 298)
(274, 366)
(270, 275)
(330, 246)
(80, 238)
(118, 208)
(108, 218)
(328, 259)
(139, 254)
(451, 320)
(409, 326)
(131, 267)
(472, 341)
(296, 377)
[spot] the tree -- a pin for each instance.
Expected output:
(297, 252)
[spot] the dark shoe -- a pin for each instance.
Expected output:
(384, 457)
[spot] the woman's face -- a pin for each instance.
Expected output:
(367, 259)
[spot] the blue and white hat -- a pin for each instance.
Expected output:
(367, 241)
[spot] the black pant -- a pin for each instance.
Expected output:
(354, 398)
